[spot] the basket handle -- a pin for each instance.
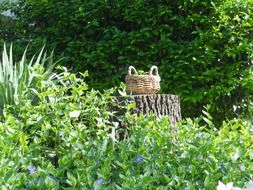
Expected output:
(132, 71)
(153, 71)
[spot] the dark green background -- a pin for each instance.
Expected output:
(203, 48)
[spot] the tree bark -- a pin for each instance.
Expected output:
(159, 104)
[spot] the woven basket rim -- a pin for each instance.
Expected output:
(144, 75)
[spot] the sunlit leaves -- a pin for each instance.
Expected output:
(17, 77)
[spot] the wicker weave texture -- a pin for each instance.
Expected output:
(142, 84)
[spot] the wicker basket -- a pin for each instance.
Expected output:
(142, 84)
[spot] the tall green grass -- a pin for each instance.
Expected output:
(17, 77)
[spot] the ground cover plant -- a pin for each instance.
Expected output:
(64, 140)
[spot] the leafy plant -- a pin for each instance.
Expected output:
(203, 49)
(122, 89)
(16, 78)
(67, 141)
(141, 72)
(65, 118)
(9, 31)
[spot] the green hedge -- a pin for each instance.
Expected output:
(202, 48)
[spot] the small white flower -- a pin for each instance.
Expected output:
(236, 188)
(229, 186)
(74, 114)
(222, 186)
(250, 185)
(51, 99)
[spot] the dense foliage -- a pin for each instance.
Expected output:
(203, 48)
(17, 77)
(7, 24)
(66, 140)
(56, 133)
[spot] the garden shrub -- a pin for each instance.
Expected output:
(202, 48)
(7, 23)
(17, 77)
(64, 141)
(39, 136)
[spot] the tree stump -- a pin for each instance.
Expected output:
(159, 104)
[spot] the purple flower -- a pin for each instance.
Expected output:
(139, 159)
(31, 170)
(200, 158)
(52, 178)
(62, 135)
(242, 168)
(67, 83)
(199, 135)
(100, 182)
(37, 181)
